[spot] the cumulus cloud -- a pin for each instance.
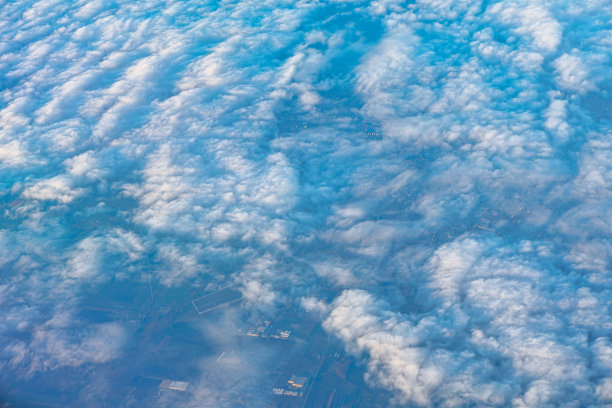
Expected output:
(58, 188)
(572, 73)
(492, 311)
(53, 348)
(427, 182)
(391, 359)
(534, 21)
(13, 154)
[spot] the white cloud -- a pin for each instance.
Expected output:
(572, 73)
(258, 294)
(398, 357)
(85, 260)
(367, 238)
(13, 154)
(532, 20)
(54, 347)
(84, 164)
(556, 118)
(179, 265)
(58, 188)
(445, 164)
(278, 186)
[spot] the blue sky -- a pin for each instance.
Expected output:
(428, 181)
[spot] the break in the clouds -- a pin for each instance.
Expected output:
(418, 192)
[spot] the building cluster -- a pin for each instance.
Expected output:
(264, 329)
(173, 385)
(371, 130)
(293, 388)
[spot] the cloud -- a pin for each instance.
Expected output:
(55, 347)
(534, 21)
(58, 188)
(399, 357)
(429, 182)
(392, 360)
(490, 299)
(13, 154)
(179, 265)
(572, 73)
(337, 273)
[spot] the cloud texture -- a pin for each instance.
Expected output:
(430, 182)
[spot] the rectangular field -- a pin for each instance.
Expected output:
(217, 299)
